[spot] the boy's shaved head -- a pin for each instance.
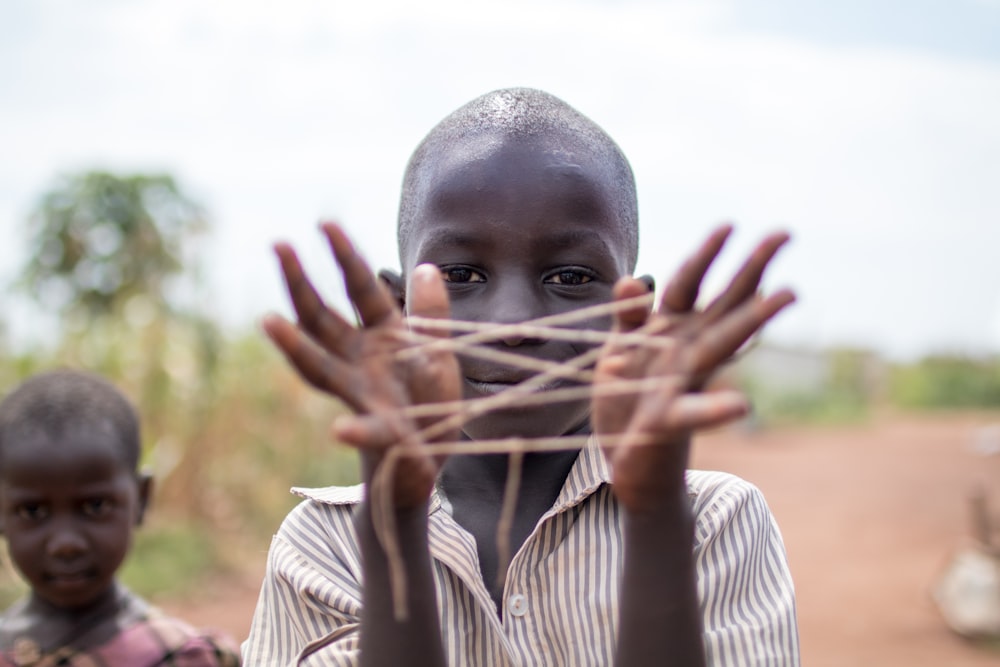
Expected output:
(59, 402)
(521, 114)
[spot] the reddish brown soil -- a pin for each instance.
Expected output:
(871, 516)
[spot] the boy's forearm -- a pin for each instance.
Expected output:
(384, 640)
(660, 615)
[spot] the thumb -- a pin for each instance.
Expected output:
(428, 297)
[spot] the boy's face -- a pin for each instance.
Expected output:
(68, 510)
(520, 230)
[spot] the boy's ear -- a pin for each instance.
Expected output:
(397, 286)
(145, 482)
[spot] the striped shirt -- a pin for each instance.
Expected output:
(561, 595)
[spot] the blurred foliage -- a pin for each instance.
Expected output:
(944, 382)
(819, 407)
(857, 382)
(99, 239)
(845, 391)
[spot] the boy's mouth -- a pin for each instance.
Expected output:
(482, 387)
(495, 385)
(69, 578)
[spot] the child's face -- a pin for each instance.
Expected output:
(520, 230)
(68, 510)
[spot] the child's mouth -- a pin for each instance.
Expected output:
(491, 387)
(69, 579)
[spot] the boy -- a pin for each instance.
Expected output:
(70, 497)
(513, 208)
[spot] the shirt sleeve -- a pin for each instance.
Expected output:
(308, 612)
(744, 584)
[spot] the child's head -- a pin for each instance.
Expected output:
(529, 209)
(560, 135)
(70, 491)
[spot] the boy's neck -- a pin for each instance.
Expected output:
(474, 486)
(543, 475)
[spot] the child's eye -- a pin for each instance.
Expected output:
(32, 511)
(97, 507)
(461, 274)
(569, 278)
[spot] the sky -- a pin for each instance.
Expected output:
(867, 128)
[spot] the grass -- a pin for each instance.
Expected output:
(171, 558)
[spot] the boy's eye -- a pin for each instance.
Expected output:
(461, 274)
(97, 507)
(32, 511)
(569, 278)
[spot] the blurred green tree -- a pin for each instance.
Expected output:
(99, 239)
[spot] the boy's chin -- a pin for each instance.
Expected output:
(530, 422)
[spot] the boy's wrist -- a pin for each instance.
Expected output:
(656, 511)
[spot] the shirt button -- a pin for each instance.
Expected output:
(517, 605)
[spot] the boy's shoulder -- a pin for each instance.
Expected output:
(14, 621)
(705, 485)
(322, 509)
(720, 498)
(176, 639)
(151, 634)
(331, 495)
(325, 513)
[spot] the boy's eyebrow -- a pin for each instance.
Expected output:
(462, 238)
(450, 237)
(18, 494)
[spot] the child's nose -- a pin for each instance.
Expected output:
(516, 304)
(66, 542)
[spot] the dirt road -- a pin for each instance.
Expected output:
(870, 514)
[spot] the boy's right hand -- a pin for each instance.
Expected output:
(360, 364)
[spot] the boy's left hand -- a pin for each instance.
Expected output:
(649, 461)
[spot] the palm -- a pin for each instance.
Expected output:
(647, 433)
(366, 366)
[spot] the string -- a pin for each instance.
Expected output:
(534, 391)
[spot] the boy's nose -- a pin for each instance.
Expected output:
(515, 305)
(65, 542)
(517, 339)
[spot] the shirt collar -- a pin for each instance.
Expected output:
(589, 472)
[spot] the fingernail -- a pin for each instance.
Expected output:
(425, 272)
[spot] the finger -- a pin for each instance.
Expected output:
(723, 338)
(324, 325)
(372, 301)
(746, 281)
(619, 358)
(376, 434)
(320, 369)
(429, 297)
(369, 432)
(630, 319)
(681, 292)
(691, 412)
